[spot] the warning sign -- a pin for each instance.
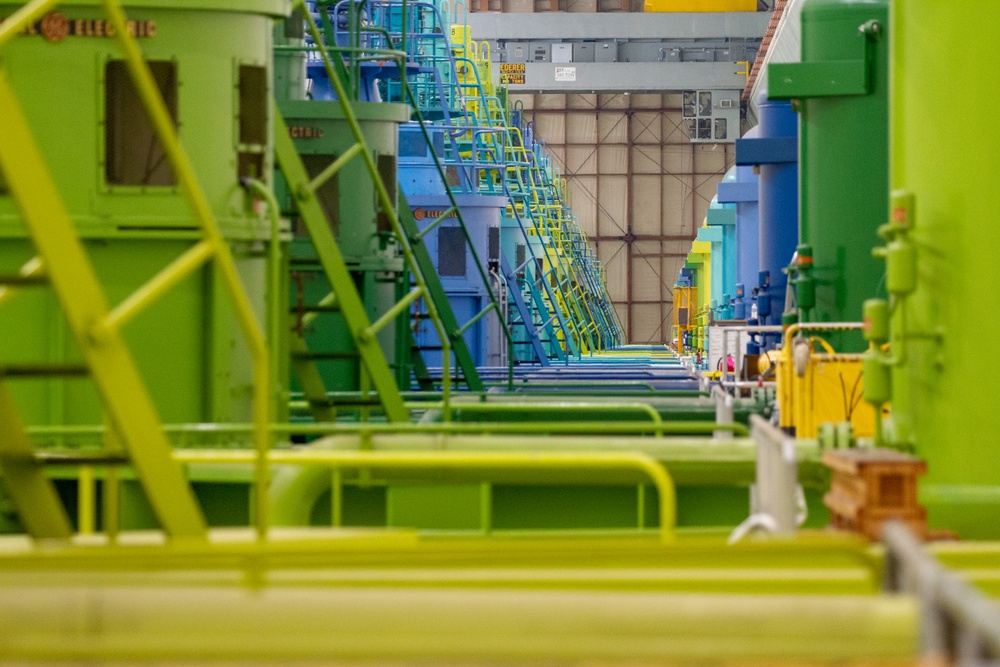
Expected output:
(512, 73)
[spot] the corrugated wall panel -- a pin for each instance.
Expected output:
(647, 209)
(612, 255)
(581, 160)
(614, 159)
(611, 211)
(584, 206)
(551, 127)
(646, 320)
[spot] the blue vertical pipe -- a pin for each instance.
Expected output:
(775, 152)
(744, 191)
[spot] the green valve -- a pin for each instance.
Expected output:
(805, 292)
(805, 286)
(899, 252)
(902, 205)
(878, 383)
(876, 321)
(901, 266)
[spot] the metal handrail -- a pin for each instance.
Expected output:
(958, 624)
(487, 464)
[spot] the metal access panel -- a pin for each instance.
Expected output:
(583, 52)
(711, 116)
(562, 53)
(606, 52)
(640, 51)
(517, 52)
(540, 52)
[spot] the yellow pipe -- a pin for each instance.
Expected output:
(438, 461)
(391, 615)
(795, 328)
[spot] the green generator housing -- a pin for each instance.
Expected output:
(213, 67)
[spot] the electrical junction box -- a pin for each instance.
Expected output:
(562, 53)
(517, 52)
(583, 52)
(606, 52)
(539, 52)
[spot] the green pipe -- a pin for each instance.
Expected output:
(417, 400)
(624, 428)
(553, 428)
(578, 383)
(616, 409)
(376, 54)
(656, 393)
(275, 291)
(332, 169)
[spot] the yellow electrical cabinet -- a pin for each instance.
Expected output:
(817, 388)
(685, 311)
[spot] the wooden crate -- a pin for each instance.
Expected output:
(872, 486)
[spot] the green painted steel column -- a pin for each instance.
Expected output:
(841, 87)
(946, 330)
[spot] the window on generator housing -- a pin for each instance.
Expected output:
(133, 154)
(387, 172)
(253, 98)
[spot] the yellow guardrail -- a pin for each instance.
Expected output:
(487, 464)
